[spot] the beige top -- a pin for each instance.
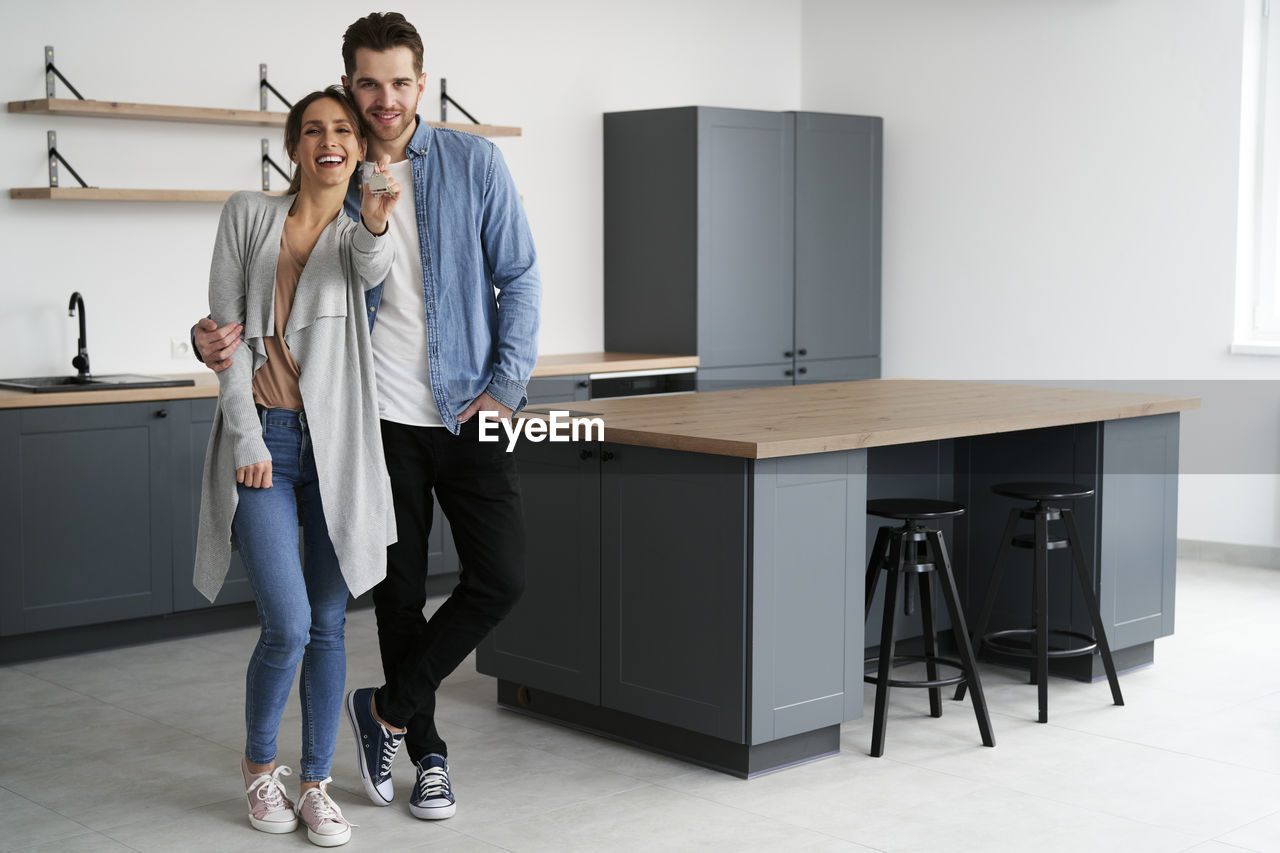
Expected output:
(762, 423)
(275, 385)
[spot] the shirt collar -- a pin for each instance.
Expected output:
(420, 142)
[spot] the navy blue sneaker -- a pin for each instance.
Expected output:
(432, 798)
(376, 746)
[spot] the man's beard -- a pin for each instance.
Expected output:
(392, 132)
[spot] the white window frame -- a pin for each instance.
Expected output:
(1257, 321)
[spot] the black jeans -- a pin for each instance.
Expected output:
(479, 493)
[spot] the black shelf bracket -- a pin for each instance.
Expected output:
(264, 87)
(55, 158)
(268, 164)
(50, 73)
(445, 100)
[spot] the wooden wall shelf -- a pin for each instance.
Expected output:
(203, 115)
(107, 194)
(159, 112)
(146, 112)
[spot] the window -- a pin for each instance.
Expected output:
(1257, 327)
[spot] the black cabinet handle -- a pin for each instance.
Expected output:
(585, 454)
(802, 352)
(803, 370)
(788, 372)
(788, 354)
(162, 413)
(582, 383)
(606, 455)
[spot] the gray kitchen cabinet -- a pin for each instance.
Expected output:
(837, 261)
(551, 639)
(749, 238)
(641, 603)
(190, 441)
(614, 614)
(673, 639)
(99, 509)
(732, 378)
(558, 389)
(86, 514)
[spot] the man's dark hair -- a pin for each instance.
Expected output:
(380, 31)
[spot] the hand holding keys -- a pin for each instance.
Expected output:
(380, 197)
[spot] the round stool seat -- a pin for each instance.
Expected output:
(909, 509)
(1041, 491)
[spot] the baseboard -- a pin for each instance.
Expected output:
(1262, 556)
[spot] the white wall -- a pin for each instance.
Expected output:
(551, 68)
(1060, 203)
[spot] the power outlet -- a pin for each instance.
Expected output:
(179, 347)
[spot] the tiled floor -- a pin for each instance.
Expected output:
(137, 749)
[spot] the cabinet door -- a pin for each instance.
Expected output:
(809, 371)
(191, 439)
(86, 515)
(807, 581)
(551, 639)
(558, 389)
(733, 378)
(837, 234)
(673, 591)
(1139, 520)
(745, 237)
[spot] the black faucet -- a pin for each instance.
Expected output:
(81, 361)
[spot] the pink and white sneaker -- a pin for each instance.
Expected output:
(326, 827)
(269, 809)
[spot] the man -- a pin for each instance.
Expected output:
(445, 348)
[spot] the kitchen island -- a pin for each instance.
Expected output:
(695, 579)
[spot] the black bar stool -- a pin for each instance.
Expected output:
(915, 551)
(1041, 543)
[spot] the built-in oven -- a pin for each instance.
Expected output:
(644, 383)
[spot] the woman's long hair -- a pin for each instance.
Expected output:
(293, 125)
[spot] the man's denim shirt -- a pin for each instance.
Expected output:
(473, 238)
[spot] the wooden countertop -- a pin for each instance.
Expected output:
(207, 385)
(608, 362)
(762, 423)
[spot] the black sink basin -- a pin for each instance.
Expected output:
(44, 384)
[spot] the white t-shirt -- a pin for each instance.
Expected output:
(400, 334)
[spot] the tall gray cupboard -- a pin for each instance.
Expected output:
(748, 238)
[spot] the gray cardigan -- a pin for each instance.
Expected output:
(329, 337)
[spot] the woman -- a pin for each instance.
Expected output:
(296, 438)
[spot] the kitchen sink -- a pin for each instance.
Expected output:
(44, 384)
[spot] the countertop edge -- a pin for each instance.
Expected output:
(565, 364)
(765, 449)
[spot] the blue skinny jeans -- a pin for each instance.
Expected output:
(301, 603)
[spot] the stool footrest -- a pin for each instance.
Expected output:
(899, 660)
(1002, 642)
(1027, 540)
